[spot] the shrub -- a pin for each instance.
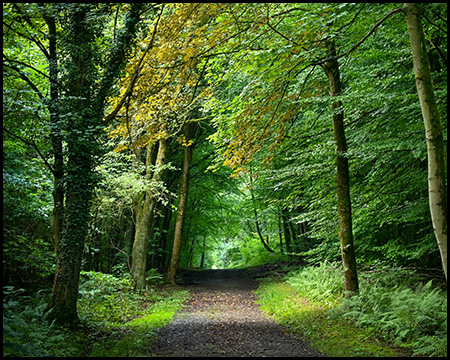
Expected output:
(392, 305)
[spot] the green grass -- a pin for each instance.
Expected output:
(334, 337)
(116, 321)
(139, 333)
(394, 314)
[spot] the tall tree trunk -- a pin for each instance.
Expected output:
(82, 131)
(280, 232)
(144, 209)
(79, 180)
(188, 129)
(433, 130)
(342, 178)
(287, 233)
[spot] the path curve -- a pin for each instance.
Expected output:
(222, 319)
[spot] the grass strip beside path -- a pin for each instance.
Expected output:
(334, 337)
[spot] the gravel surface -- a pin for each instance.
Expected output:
(222, 319)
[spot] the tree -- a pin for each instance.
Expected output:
(188, 131)
(83, 110)
(433, 130)
(342, 178)
(144, 211)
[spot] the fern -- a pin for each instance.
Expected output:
(412, 318)
(323, 283)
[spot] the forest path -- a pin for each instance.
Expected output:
(222, 319)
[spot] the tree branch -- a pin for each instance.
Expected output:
(135, 75)
(31, 143)
(26, 79)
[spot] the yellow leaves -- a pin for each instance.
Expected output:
(168, 73)
(183, 141)
(120, 148)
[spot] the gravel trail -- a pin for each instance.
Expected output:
(222, 319)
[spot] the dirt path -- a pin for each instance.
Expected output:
(222, 319)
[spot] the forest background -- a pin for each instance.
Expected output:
(158, 136)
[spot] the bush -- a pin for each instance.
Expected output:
(392, 305)
(108, 301)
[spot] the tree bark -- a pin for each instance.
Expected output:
(433, 130)
(342, 177)
(82, 131)
(144, 209)
(258, 229)
(188, 129)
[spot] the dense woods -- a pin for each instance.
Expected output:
(139, 139)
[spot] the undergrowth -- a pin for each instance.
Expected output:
(116, 320)
(394, 314)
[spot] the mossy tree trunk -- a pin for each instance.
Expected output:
(81, 110)
(342, 176)
(144, 210)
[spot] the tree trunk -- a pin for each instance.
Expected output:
(433, 130)
(287, 233)
(258, 229)
(342, 178)
(280, 232)
(83, 108)
(144, 213)
(79, 180)
(188, 129)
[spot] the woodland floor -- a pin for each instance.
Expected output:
(221, 318)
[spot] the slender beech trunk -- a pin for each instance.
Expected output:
(287, 233)
(144, 208)
(342, 178)
(188, 129)
(433, 130)
(258, 228)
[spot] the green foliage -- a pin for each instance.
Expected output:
(25, 333)
(412, 318)
(27, 247)
(324, 283)
(392, 305)
(334, 337)
(108, 301)
(108, 309)
(109, 306)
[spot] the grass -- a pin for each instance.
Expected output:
(117, 321)
(126, 321)
(310, 319)
(396, 312)
(138, 333)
